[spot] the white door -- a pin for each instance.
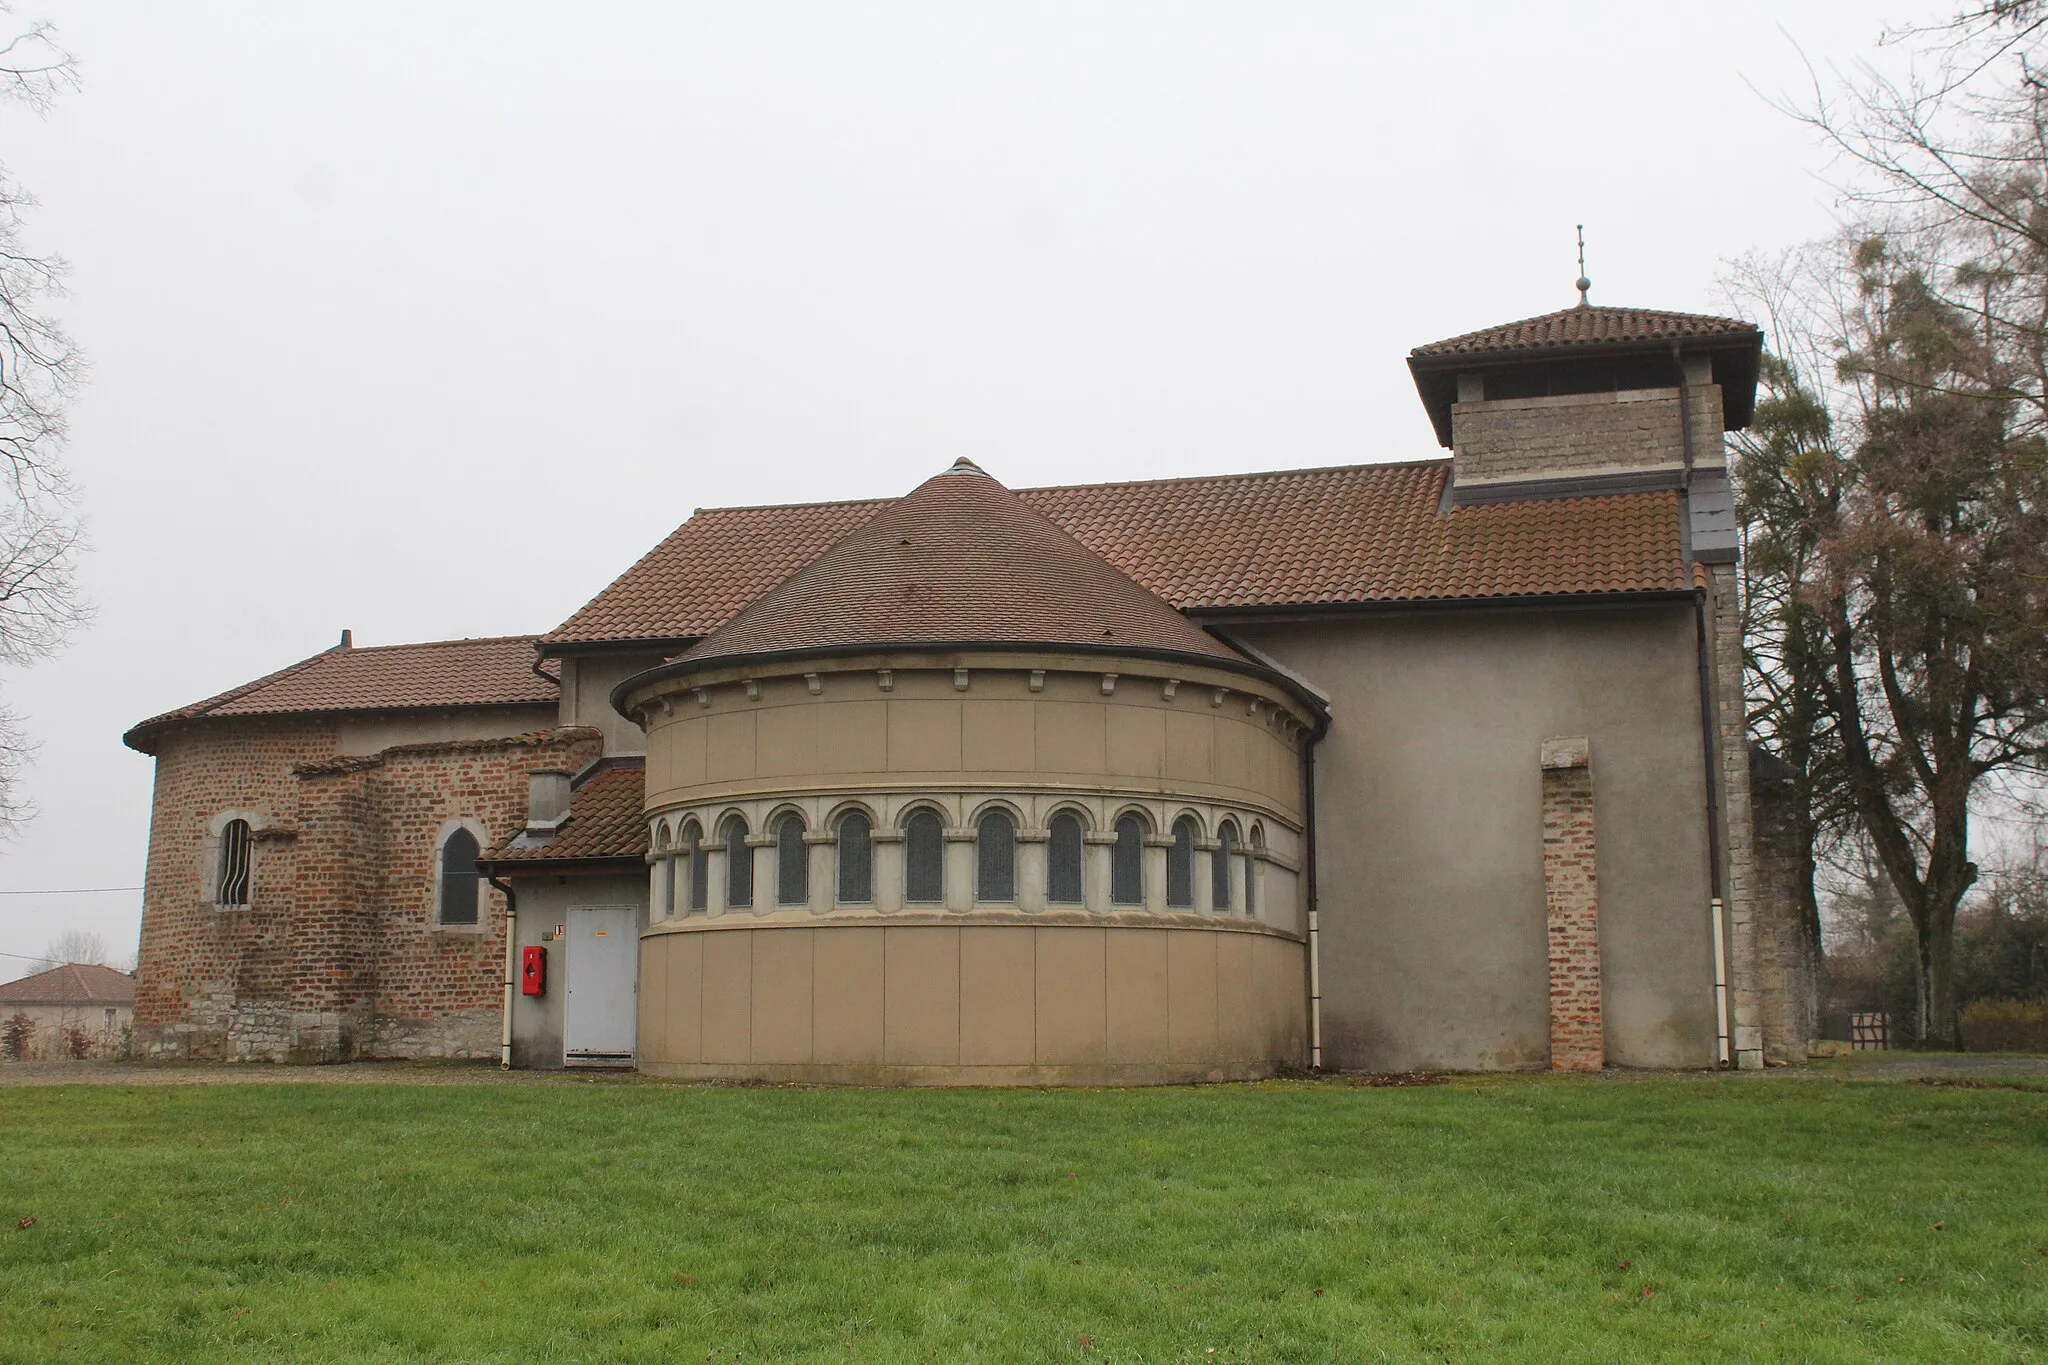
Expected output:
(603, 964)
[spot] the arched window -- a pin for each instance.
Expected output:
(1219, 865)
(1063, 860)
(739, 864)
(231, 870)
(995, 857)
(458, 878)
(856, 858)
(792, 862)
(1180, 865)
(1251, 871)
(924, 858)
(1127, 863)
(692, 844)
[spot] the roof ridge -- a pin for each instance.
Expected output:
(1243, 477)
(433, 644)
(779, 506)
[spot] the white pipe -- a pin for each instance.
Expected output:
(511, 972)
(1720, 982)
(1315, 994)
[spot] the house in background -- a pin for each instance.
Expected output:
(1435, 763)
(79, 1009)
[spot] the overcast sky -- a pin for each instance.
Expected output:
(428, 319)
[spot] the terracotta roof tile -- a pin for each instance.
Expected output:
(486, 672)
(1588, 326)
(712, 565)
(74, 983)
(1310, 537)
(959, 559)
(604, 820)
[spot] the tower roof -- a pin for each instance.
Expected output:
(961, 560)
(1591, 333)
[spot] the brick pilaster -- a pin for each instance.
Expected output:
(1578, 1038)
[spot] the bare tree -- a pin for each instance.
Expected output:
(40, 371)
(77, 945)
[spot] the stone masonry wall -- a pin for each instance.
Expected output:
(1582, 433)
(1571, 894)
(1789, 989)
(338, 954)
(196, 963)
(1746, 965)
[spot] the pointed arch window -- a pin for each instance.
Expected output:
(1127, 863)
(924, 858)
(692, 843)
(1063, 884)
(1219, 865)
(856, 858)
(458, 878)
(739, 864)
(995, 857)
(231, 870)
(792, 862)
(1180, 865)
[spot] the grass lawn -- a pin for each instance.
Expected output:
(1528, 1218)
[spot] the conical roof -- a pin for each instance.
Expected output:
(959, 561)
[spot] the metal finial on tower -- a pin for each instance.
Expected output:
(1583, 283)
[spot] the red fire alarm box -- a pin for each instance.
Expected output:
(533, 970)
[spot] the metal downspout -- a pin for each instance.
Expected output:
(1315, 940)
(511, 971)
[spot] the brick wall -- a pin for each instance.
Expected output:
(338, 954)
(1582, 433)
(1571, 895)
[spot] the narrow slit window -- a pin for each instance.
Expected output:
(739, 865)
(1063, 860)
(792, 862)
(1127, 863)
(1180, 865)
(995, 857)
(924, 859)
(231, 877)
(458, 878)
(1219, 865)
(856, 858)
(700, 867)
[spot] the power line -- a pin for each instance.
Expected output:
(72, 891)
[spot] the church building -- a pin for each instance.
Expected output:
(1433, 764)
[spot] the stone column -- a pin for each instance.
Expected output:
(714, 878)
(824, 851)
(959, 869)
(1095, 877)
(1155, 873)
(1571, 896)
(1205, 876)
(889, 853)
(762, 847)
(1032, 847)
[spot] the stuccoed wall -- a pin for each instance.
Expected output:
(970, 1003)
(1429, 830)
(1022, 992)
(925, 732)
(544, 901)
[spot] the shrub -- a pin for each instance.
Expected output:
(15, 1035)
(2005, 1026)
(77, 1043)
